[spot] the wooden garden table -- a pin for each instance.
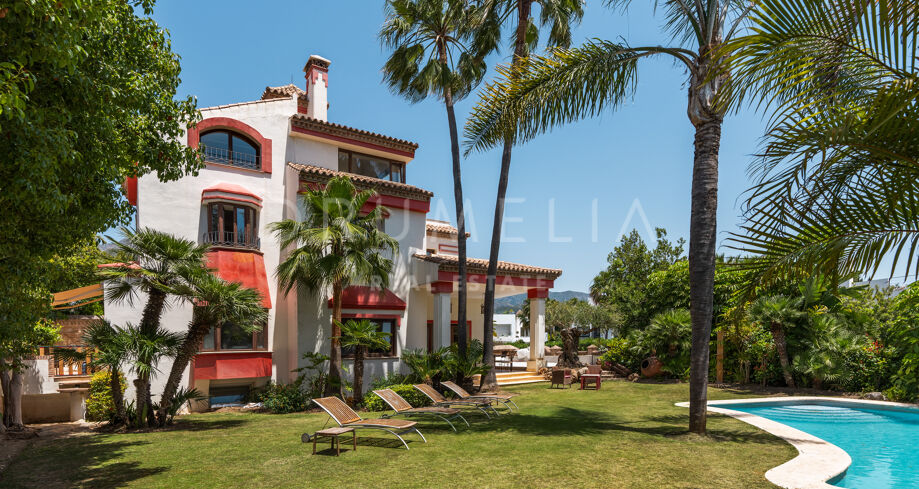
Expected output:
(593, 378)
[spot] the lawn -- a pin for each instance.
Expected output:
(624, 436)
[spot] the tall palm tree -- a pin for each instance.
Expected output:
(159, 262)
(335, 245)
(558, 16)
(779, 313)
(363, 336)
(435, 51)
(217, 302)
(570, 84)
(837, 185)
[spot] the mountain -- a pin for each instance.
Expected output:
(513, 303)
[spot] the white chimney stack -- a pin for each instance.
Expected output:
(317, 87)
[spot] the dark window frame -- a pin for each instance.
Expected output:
(250, 231)
(392, 338)
(392, 164)
(230, 161)
(217, 331)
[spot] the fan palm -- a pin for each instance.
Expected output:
(569, 84)
(146, 349)
(438, 48)
(837, 181)
(335, 245)
(363, 336)
(159, 263)
(558, 16)
(217, 302)
(112, 347)
(779, 313)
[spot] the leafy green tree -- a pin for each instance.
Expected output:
(160, 266)
(12, 352)
(87, 99)
(558, 16)
(435, 51)
(625, 282)
(216, 302)
(363, 336)
(335, 245)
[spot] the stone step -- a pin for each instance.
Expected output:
(522, 381)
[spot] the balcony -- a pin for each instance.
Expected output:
(68, 360)
(230, 239)
(239, 159)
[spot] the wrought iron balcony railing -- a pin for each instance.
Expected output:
(232, 240)
(232, 158)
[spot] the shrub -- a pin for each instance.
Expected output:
(99, 405)
(390, 379)
(621, 350)
(284, 398)
(372, 402)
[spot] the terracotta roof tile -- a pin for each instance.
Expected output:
(436, 227)
(319, 174)
(284, 91)
(304, 122)
(480, 265)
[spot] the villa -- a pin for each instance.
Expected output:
(259, 156)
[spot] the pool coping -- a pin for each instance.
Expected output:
(818, 461)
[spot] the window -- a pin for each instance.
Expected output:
(384, 325)
(371, 166)
(231, 337)
(231, 225)
(454, 333)
(230, 148)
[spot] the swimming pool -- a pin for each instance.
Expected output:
(880, 439)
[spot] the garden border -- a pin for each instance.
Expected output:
(818, 460)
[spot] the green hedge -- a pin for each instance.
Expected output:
(284, 398)
(99, 405)
(372, 402)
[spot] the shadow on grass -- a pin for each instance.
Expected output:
(565, 421)
(206, 425)
(82, 461)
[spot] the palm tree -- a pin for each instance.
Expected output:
(145, 350)
(558, 16)
(335, 245)
(112, 347)
(779, 313)
(435, 51)
(837, 182)
(217, 302)
(159, 262)
(363, 336)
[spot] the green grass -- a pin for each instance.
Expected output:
(624, 436)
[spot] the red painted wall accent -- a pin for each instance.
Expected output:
(479, 278)
(363, 297)
(232, 365)
(194, 135)
(538, 293)
(410, 154)
(449, 248)
(130, 186)
(244, 267)
(243, 194)
(441, 287)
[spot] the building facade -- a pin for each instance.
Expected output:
(259, 156)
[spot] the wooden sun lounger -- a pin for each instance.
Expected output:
(440, 400)
(401, 407)
(346, 417)
(503, 398)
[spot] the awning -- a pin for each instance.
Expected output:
(243, 267)
(69, 299)
(363, 297)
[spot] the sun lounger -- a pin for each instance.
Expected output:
(346, 417)
(439, 400)
(503, 398)
(401, 407)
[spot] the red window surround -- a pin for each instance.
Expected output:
(194, 136)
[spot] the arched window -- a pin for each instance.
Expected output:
(230, 148)
(232, 225)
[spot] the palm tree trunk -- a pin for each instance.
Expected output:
(778, 336)
(489, 381)
(117, 395)
(334, 386)
(190, 347)
(149, 321)
(359, 375)
(153, 311)
(702, 238)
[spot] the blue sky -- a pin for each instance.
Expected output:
(595, 174)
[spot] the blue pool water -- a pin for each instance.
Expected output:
(883, 445)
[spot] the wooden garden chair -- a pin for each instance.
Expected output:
(401, 407)
(439, 400)
(347, 418)
(561, 377)
(503, 398)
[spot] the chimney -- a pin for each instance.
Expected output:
(317, 87)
